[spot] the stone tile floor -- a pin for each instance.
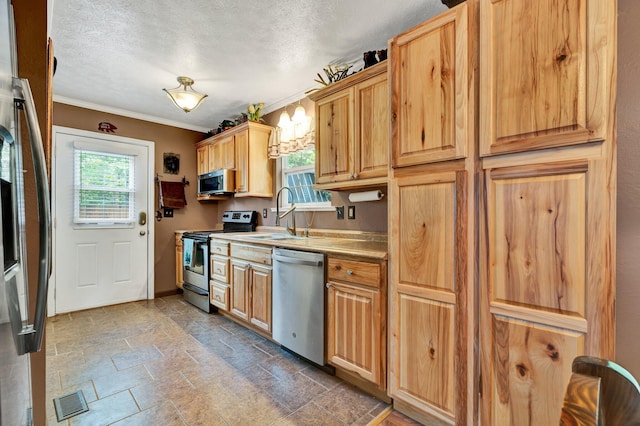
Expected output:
(164, 362)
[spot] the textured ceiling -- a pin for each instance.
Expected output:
(118, 55)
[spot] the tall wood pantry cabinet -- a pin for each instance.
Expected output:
(501, 208)
(432, 218)
(547, 138)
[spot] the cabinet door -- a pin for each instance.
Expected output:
(353, 330)
(334, 137)
(179, 261)
(242, 161)
(547, 71)
(372, 127)
(429, 74)
(202, 155)
(239, 296)
(227, 153)
(547, 292)
(260, 277)
(214, 157)
(430, 336)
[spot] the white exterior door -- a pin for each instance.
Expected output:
(102, 196)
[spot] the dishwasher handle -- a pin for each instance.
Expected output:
(296, 261)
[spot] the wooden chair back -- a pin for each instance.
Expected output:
(600, 393)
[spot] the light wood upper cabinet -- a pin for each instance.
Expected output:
(352, 133)
(222, 154)
(546, 73)
(430, 90)
(372, 129)
(254, 170)
(356, 318)
(243, 148)
(202, 156)
(334, 138)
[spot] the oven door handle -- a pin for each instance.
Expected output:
(195, 289)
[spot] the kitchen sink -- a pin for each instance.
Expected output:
(276, 237)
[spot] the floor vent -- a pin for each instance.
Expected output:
(70, 405)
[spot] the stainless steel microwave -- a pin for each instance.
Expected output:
(220, 182)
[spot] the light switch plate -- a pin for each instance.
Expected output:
(340, 212)
(351, 212)
(168, 212)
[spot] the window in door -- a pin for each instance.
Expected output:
(104, 188)
(298, 173)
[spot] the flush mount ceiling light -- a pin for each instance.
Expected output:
(183, 96)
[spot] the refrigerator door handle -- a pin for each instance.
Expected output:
(23, 98)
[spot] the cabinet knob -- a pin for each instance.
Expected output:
(328, 285)
(349, 272)
(355, 176)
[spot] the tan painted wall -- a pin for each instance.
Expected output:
(628, 233)
(195, 215)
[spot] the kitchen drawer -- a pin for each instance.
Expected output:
(219, 295)
(219, 268)
(353, 271)
(220, 247)
(257, 254)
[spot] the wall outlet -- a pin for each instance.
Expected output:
(340, 212)
(264, 213)
(351, 212)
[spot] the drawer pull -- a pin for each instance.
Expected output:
(349, 272)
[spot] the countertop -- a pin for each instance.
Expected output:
(351, 243)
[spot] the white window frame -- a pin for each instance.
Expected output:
(284, 204)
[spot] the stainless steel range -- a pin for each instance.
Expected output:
(195, 256)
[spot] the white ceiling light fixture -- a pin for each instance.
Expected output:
(183, 96)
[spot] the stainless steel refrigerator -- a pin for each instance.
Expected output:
(21, 325)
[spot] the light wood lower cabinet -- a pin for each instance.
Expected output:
(356, 318)
(250, 284)
(219, 295)
(219, 270)
(430, 317)
(179, 267)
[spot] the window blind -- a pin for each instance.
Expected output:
(104, 187)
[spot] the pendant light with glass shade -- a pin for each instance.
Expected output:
(183, 96)
(286, 127)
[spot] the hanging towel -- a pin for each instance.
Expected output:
(172, 195)
(187, 250)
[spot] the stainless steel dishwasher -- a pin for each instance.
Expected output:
(298, 302)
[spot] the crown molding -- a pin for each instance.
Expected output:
(127, 113)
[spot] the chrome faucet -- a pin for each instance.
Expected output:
(290, 230)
